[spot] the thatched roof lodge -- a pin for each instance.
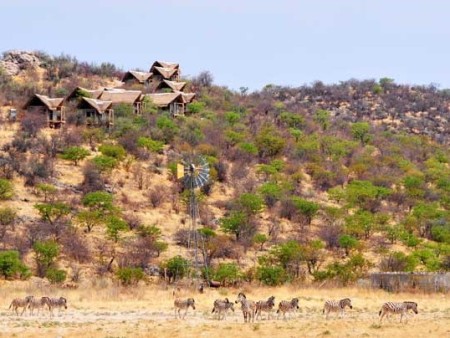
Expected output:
(96, 112)
(132, 76)
(171, 102)
(171, 86)
(163, 70)
(84, 92)
(51, 107)
(116, 96)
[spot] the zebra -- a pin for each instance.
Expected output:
(222, 305)
(248, 307)
(39, 304)
(183, 304)
(337, 306)
(401, 308)
(287, 306)
(265, 305)
(20, 302)
(60, 302)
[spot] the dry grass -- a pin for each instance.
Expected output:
(104, 310)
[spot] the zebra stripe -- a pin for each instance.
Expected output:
(20, 302)
(222, 306)
(337, 306)
(288, 306)
(397, 308)
(248, 307)
(184, 304)
(265, 305)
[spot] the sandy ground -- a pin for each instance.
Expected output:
(147, 311)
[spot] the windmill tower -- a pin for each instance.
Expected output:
(194, 173)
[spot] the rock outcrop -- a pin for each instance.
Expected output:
(15, 61)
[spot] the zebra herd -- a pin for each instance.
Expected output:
(251, 309)
(31, 303)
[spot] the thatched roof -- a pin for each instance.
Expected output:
(93, 93)
(99, 105)
(50, 103)
(141, 77)
(175, 86)
(166, 73)
(164, 99)
(164, 64)
(120, 95)
(188, 97)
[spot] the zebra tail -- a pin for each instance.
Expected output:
(379, 313)
(213, 310)
(10, 305)
(323, 311)
(278, 311)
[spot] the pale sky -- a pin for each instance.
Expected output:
(247, 43)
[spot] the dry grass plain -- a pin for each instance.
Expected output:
(105, 310)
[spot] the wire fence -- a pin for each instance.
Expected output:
(409, 281)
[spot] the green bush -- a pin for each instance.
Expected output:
(130, 276)
(271, 275)
(113, 150)
(7, 216)
(46, 253)
(12, 267)
(227, 274)
(6, 189)
(56, 276)
(196, 107)
(105, 163)
(114, 226)
(151, 145)
(75, 154)
(177, 267)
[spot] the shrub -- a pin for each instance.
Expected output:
(196, 107)
(46, 253)
(104, 163)
(129, 275)
(398, 261)
(6, 189)
(271, 275)
(177, 267)
(98, 200)
(12, 267)
(151, 145)
(348, 243)
(115, 225)
(56, 276)
(112, 150)
(75, 154)
(269, 142)
(227, 274)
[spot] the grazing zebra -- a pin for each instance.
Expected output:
(183, 304)
(287, 306)
(222, 306)
(397, 308)
(60, 302)
(337, 306)
(265, 305)
(20, 302)
(39, 304)
(248, 307)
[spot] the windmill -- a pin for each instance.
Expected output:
(194, 173)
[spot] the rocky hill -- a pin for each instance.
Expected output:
(316, 183)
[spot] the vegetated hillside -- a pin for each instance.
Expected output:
(312, 183)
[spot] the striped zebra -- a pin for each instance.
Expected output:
(287, 306)
(248, 307)
(265, 305)
(59, 303)
(222, 306)
(397, 308)
(20, 302)
(184, 304)
(39, 304)
(337, 306)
